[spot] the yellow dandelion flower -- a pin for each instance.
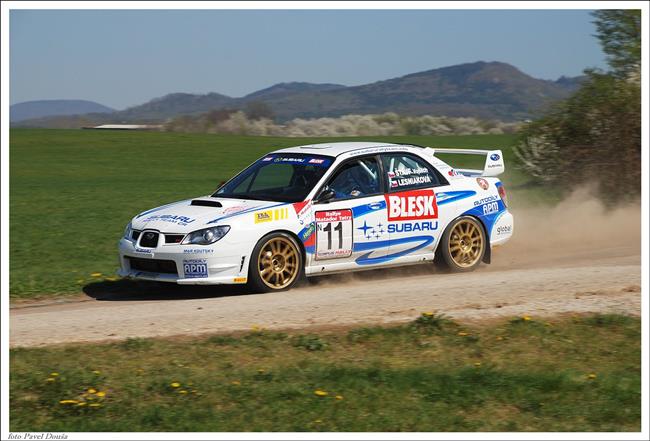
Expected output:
(261, 371)
(477, 364)
(82, 403)
(111, 279)
(95, 405)
(68, 402)
(175, 384)
(80, 281)
(92, 391)
(526, 318)
(50, 380)
(96, 274)
(182, 391)
(428, 314)
(54, 374)
(96, 372)
(318, 421)
(235, 383)
(339, 397)
(591, 376)
(499, 338)
(463, 334)
(101, 394)
(320, 393)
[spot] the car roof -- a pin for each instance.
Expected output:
(335, 148)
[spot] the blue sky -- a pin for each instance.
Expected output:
(122, 58)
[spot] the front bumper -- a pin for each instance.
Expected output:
(217, 267)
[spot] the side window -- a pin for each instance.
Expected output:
(355, 179)
(407, 172)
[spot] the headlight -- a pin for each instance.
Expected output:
(128, 231)
(206, 236)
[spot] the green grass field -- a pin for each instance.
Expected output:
(526, 374)
(72, 192)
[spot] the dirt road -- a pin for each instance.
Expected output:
(570, 259)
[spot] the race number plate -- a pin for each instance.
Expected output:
(333, 234)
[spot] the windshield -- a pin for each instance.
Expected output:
(277, 177)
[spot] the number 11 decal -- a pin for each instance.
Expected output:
(333, 234)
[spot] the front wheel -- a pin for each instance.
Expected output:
(276, 263)
(463, 245)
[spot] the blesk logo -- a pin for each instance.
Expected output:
(412, 205)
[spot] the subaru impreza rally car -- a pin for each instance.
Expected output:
(323, 209)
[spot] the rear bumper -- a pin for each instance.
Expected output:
(217, 268)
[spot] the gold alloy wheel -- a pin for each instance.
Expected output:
(278, 262)
(466, 243)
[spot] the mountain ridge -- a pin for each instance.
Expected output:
(486, 90)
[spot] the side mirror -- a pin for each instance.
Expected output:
(325, 195)
(220, 185)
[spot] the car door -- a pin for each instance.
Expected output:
(351, 223)
(412, 210)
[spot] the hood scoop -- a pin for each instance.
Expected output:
(204, 203)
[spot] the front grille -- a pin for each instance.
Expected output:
(153, 265)
(174, 238)
(149, 239)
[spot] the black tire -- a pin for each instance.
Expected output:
(276, 264)
(462, 246)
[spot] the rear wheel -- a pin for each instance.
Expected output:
(463, 245)
(276, 263)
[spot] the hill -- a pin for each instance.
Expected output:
(46, 108)
(485, 90)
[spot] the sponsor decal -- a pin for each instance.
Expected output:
(490, 208)
(236, 209)
(240, 280)
(394, 148)
(504, 229)
(308, 232)
(493, 165)
(316, 161)
(412, 205)
(371, 232)
(289, 160)
(142, 250)
(333, 234)
(482, 183)
(263, 216)
(268, 158)
(195, 268)
(486, 200)
(303, 211)
(453, 172)
(271, 215)
(495, 157)
(198, 251)
(174, 219)
(408, 227)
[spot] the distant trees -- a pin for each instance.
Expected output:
(238, 122)
(595, 135)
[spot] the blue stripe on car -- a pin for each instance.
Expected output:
(445, 197)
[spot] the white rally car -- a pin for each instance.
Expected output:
(323, 209)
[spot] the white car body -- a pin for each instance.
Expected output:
(389, 229)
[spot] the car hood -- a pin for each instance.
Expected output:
(194, 214)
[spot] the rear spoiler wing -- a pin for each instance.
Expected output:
(494, 165)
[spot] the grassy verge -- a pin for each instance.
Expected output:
(569, 374)
(73, 191)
